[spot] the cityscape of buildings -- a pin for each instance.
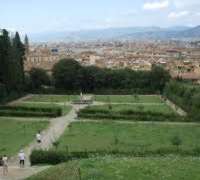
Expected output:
(181, 59)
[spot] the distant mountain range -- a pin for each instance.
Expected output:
(128, 33)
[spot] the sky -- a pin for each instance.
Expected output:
(34, 16)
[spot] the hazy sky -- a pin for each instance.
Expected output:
(32, 16)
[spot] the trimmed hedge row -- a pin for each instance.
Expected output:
(30, 111)
(124, 112)
(55, 157)
(130, 115)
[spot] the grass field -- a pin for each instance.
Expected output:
(128, 99)
(161, 108)
(109, 168)
(52, 98)
(15, 134)
(126, 137)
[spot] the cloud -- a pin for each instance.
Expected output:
(156, 5)
(176, 15)
(198, 14)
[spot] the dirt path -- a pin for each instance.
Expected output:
(20, 99)
(180, 111)
(141, 122)
(56, 129)
(122, 103)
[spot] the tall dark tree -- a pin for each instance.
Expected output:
(26, 44)
(18, 58)
(11, 64)
(5, 57)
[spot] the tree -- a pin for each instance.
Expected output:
(39, 77)
(18, 61)
(26, 44)
(159, 78)
(66, 74)
(5, 59)
(11, 63)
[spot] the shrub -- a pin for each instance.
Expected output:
(56, 144)
(47, 157)
(130, 115)
(30, 111)
(176, 141)
(55, 157)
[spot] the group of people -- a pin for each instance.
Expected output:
(21, 156)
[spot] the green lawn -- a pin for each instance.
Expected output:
(15, 134)
(110, 168)
(128, 98)
(127, 137)
(53, 98)
(161, 108)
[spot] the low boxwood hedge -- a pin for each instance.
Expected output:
(131, 115)
(55, 157)
(21, 111)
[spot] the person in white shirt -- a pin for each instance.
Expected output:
(39, 137)
(21, 158)
(5, 165)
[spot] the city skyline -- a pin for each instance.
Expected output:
(36, 16)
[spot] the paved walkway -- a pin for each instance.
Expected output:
(56, 129)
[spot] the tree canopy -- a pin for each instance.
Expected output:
(11, 63)
(70, 75)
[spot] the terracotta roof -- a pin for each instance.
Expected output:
(187, 76)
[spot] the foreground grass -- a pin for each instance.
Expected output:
(161, 108)
(110, 168)
(16, 134)
(52, 98)
(128, 98)
(95, 136)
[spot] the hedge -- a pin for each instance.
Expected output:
(55, 157)
(30, 111)
(130, 115)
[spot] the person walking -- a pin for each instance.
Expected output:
(21, 158)
(38, 137)
(5, 165)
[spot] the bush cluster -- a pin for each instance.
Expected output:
(30, 111)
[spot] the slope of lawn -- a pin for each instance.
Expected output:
(127, 137)
(15, 134)
(110, 168)
(128, 98)
(52, 98)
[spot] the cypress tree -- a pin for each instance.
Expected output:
(26, 44)
(5, 58)
(18, 58)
